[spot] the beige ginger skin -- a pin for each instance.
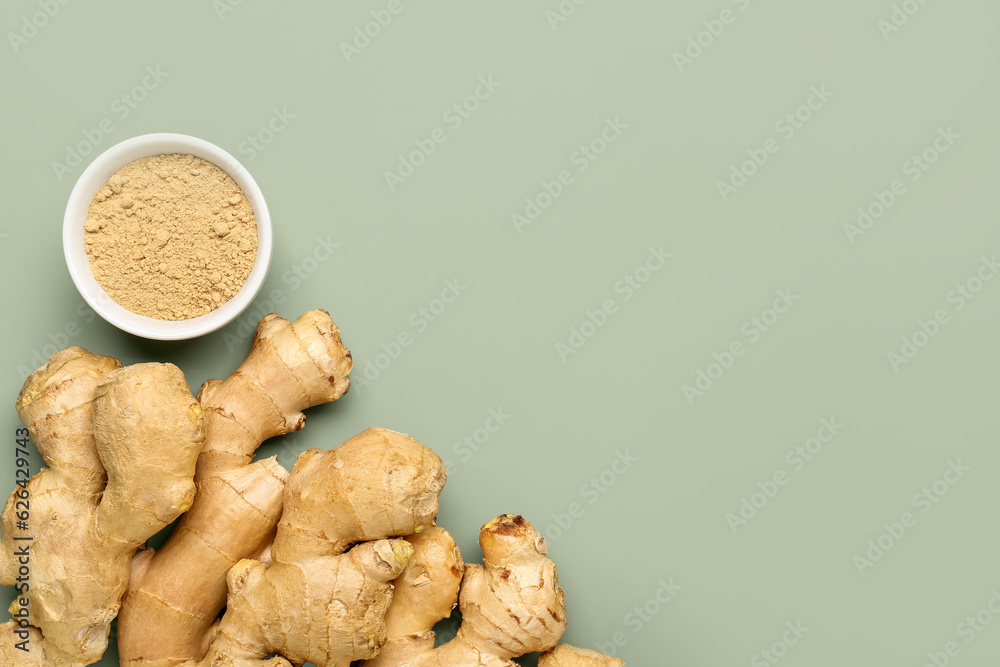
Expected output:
(427, 589)
(337, 563)
(511, 605)
(175, 594)
(565, 655)
(316, 600)
(103, 431)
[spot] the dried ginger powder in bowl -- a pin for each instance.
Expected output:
(171, 237)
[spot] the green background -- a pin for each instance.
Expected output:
(665, 517)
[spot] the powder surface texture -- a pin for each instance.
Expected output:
(171, 237)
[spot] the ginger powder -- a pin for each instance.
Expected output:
(171, 237)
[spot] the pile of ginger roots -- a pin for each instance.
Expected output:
(338, 562)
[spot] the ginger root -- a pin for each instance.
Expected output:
(427, 589)
(511, 605)
(565, 655)
(175, 595)
(104, 432)
(314, 602)
(337, 563)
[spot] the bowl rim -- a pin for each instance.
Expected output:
(93, 178)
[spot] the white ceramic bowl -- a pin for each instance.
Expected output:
(93, 179)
